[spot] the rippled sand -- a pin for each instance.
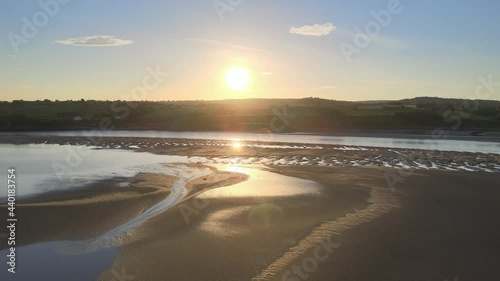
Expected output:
(268, 153)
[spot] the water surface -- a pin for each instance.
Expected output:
(410, 143)
(43, 168)
(45, 261)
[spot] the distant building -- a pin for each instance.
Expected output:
(77, 118)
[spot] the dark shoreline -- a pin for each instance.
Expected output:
(460, 135)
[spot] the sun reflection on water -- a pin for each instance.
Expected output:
(236, 145)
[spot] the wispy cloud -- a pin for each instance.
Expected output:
(313, 30)
(224, 44)
(95, 41)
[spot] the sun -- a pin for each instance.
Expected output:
(237, 78)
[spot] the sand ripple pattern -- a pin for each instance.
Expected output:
(222, 152)
(381, 201)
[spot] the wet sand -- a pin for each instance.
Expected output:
(434, 225)
(446, 227)
(233, 238)
(99, 207)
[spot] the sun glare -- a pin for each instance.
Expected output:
(236, 145)
(237, 78)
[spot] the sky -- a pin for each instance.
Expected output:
(182, 50)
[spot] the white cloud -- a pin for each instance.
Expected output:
(313, 30)
(95, 41)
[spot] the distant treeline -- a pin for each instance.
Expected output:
(252, 115)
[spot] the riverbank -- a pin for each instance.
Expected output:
(276, 153)
(421, 134)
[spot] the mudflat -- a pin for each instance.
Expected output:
(433, 225)
(436, 225)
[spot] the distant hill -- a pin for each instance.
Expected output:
(288, 115)
(434, 100)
